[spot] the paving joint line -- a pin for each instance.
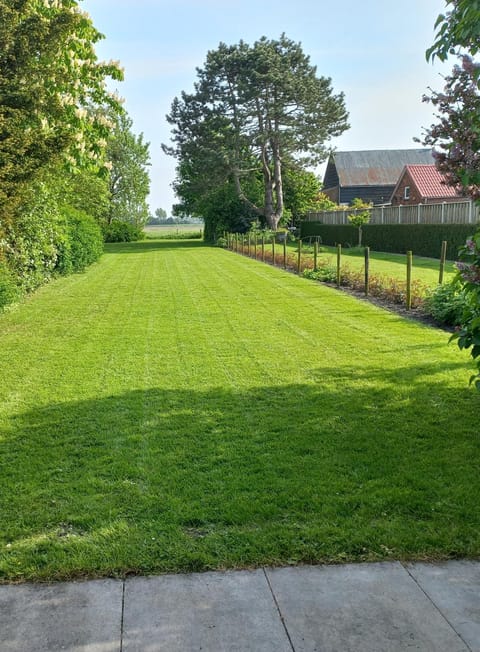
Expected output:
(278, 609)
(122, 615)
(431, 600)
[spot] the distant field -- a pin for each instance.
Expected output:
(167, 229)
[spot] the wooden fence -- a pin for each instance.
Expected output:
(461, 212)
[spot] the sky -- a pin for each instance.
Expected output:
(373, 51)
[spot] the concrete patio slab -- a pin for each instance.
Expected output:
(454, 587)
(73, 616)
(360, 608)
(213, 612)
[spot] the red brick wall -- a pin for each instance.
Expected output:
(398, 196)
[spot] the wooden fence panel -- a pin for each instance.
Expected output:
(462, 212)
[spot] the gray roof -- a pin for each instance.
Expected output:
(380, 167)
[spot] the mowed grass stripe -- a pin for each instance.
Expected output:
(180, 407)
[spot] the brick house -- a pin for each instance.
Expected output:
(422, 184)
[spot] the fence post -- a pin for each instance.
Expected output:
(367, 271)
(263, 248)
(399, 213)
(470, 212)
(409, 280)
(299, 258)
(339, 264)
(273, 249)
(443, 258)
(249, 243)
(443, 212)
(255, 245)
(285, 252)
(315, 255)
(418, 213)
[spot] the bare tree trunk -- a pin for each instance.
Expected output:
(277, 175)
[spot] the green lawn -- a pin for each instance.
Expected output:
(180, 407)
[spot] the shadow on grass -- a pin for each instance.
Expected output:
(375, 465)
(151, 245)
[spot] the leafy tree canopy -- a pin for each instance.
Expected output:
(457, 137)
(52, 92)
(459, 27)
(129, 179)
(253, 110)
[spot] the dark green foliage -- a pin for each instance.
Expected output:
(37, 242)
(325, 273)
(457, 27)
(85, 239)
(422, 239)
(255, 109)
(118, 231)
(446, 303)
(46, 240)
(9, 291)
(468, 335)
(222, 211)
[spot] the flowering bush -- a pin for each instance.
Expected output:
(468, 273)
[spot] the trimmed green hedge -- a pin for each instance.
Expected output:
(85, 239)
(422, 239)
(118, 231)
(9, 291)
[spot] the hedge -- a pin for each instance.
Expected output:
(422, 239)
(118, 231)
(9, 290)
(85, 239)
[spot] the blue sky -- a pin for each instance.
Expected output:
(373, 51)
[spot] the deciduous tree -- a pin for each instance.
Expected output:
(129, 179)
(459, 27)
(457, 136)
(52, 92)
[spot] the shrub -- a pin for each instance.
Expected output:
(35, 240)
(85, 240)
(118, 231)
(325, 273)
(446, 303)
(388, 289)
(9, 291)
(468, 333)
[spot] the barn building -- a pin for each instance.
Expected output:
(370, 175)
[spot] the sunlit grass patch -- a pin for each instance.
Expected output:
(179, 407)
